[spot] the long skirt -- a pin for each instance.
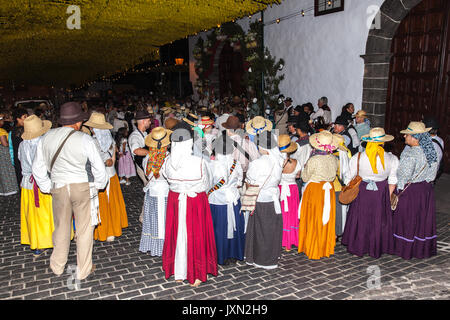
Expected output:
(36, 224)
(126, 166)
(316, 240)
(198, 239)
(228, 248)
(414, 222)
(150, 239)
(264, 236)
(113, 214)
(8, 180)
(290, 218)
(368, 229)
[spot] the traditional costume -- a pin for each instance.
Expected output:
(189, 246)
(156, 191)
(113, 214)
(342, 178)
(289, 195)
(224, 200)
(368, 229)
(414, 222)
(36, 213)
(8, 179)
(265, 224)
(317, 211)
(77, 173)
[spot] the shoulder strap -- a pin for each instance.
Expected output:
(359, 156)
(59, 150)
(438, 143)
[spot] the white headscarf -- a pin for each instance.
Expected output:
(104, 138)
(179, 151)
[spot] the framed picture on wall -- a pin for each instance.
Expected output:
(322, 7)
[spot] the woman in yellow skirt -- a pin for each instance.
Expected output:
(317, 211)
(36, 213)
(113, 214)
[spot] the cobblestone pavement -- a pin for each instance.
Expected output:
(122, 272)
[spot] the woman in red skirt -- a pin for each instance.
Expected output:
(189, 246)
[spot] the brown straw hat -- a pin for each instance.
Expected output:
(415, 127)
(71, 113)
(232, 123)
(170, 123)
(285, 144)
(158, 138)
(377, 135)
(35, 127)
(324, 141)
(97, 120)
(206, 121)
(258, 125)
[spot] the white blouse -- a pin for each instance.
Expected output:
(228, 193)
(365, 169)
(26, 154)
(265, 173)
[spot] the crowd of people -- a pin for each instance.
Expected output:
(221, 183)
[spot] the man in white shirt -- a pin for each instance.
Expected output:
(324, 110)
(136, 141)
(77, 172)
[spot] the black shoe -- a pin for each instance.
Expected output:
(232, 261)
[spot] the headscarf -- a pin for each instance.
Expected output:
(104, 138)
(156, 159)
(179, 152)
(427, 146)
(349, 153)
(374, 149)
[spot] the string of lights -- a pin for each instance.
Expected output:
(303, 12)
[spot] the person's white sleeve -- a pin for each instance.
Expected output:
(353, 167)
(39, 170)
(346, 140)
(133, 141)
(392, 179)
(98, 168)
(318, 113)
(240, 174)
(355, 138)
(252, 172)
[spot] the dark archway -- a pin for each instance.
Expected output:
(378, 56)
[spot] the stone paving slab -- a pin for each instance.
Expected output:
(122, 272)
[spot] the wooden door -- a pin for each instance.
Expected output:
(419, 71)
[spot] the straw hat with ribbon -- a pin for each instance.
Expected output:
(35, 127)
(191, 118)
(377, 135)
(97, 120)
(415, 127)
(258, 125)
(158, 138)
(285, 144)
(324, 141)
(206, 121)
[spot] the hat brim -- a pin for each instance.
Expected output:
(189, 122)
(292, 148)
(312, 140)
(250, 130)
(207, 123)
(98, 125)
(386, 138)
(149, 142)
(80, 118)
(31, 135)
(406, 131)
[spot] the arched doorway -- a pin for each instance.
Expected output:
(407, 67)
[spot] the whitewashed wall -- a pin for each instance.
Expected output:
(322, 54)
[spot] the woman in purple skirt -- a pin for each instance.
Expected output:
(368, 229)
(414, 222)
